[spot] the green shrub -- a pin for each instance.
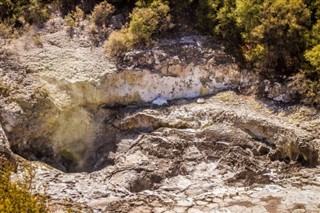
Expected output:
(19, 13)
(35, 12)
(147, 19)
(143, 23)
(119, 42)
(206, 14)
(74, 18)
(271, 33)
(16, 196)
(101, 13)
(313, 57)
(308, 81)
(70, 22)
(276, 29)
(226, 26)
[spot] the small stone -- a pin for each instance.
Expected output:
(160, 101)
(184, 203)
(200, 101)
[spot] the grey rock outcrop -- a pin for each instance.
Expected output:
(53, 93)
(230, 154)
(65, 104)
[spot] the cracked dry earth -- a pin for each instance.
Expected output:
(225, 153)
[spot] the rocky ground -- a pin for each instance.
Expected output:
(226, 153)
(173, 127)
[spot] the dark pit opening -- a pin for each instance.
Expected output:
(71, 156)
(90, 160)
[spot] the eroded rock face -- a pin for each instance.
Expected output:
(64, 103)
(220, 155)
(64, 83)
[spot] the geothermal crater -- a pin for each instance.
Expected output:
(175, 127)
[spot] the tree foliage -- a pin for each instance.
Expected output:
(274, 35)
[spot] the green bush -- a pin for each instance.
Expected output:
(226, 26)
(74, 18)
(206, 14)
(313, 57)
(35, 12)
(308, 81)
(119, 42)
(271, 33)
(101, 13)
(277, 37)
(19, 13)
(16, 196)
(280, 30)
(147, 19)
